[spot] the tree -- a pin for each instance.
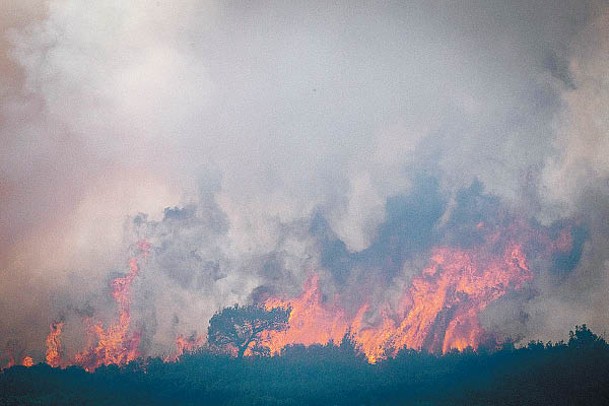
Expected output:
(583, 337)
(237, 327)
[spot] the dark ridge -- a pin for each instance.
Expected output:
(571, 373)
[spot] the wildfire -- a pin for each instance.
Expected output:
(311, 322)
(27, 361)
(186, 345)
(116, 344)
(53, 342)
(438, 312)
(444, 302)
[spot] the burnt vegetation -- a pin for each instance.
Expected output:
(563, 373)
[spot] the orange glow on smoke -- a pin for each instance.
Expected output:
(10, 363)
(564, 242)
(53, 342)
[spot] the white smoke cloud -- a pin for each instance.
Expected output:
(582, 144)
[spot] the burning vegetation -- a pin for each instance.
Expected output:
(438, 312)
(476, 257)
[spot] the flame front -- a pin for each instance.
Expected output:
(310, 321)
(438, 311)
(444, 301)
(116, 344)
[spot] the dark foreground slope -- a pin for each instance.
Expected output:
(554, 374)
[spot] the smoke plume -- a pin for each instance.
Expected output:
(255, 145)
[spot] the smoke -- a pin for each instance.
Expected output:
(270, 140)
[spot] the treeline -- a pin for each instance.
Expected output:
(575, 372)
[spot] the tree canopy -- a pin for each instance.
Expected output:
(583, 337)
(236, 328)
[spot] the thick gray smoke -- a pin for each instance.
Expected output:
(267, 140)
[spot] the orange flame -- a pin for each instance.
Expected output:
(186, 345)
(116, 344)
(53, 342)
(438, 312)
(445, 301)
(27, 361)
(310, 321)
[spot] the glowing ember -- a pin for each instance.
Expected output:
(53, 342)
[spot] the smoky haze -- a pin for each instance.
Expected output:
(253, 144)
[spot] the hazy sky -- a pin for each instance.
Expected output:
(258, 116)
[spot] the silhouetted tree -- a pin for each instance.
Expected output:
(583, 337)
(239, 326)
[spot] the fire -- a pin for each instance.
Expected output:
(27, 361)
(439, 310)
(311, 322)
(186, 345)
(53, 342)
(449, 295)
(115, 344)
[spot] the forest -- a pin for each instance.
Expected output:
(575, 372)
